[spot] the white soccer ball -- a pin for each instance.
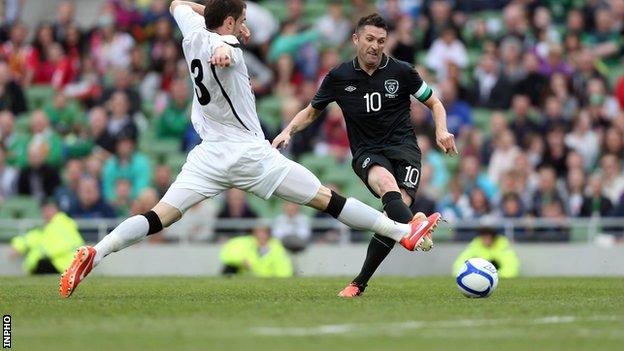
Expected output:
(477, 278)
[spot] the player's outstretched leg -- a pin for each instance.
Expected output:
(129, 232)
(303, 187)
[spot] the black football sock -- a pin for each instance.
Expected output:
(380, 246)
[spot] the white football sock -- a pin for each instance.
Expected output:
(128, 232)
(358, 215)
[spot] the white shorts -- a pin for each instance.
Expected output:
(253, 166)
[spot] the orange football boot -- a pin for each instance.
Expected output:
(77, 271)
(420, 228)
(352, 290)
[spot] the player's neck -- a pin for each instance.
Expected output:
(369, 69)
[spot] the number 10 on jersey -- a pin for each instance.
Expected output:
(373, 102)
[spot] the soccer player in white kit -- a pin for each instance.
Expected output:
(233, 152)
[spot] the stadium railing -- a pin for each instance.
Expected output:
(518, 230)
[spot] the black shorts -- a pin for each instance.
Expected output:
(406, 170)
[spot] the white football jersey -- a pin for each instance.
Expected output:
(224, 107)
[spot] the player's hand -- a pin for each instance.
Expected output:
(245, 34)
(446, 142)
(282, 140)
(221, 57)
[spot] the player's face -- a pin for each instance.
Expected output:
(238, 24)
(370, 43)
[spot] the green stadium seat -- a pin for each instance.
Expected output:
(175, 162)
(264, 209)
(20, 207)
(481, 118)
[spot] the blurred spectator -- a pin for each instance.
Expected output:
(121, 124)
(606, 38)
(51, 248)
(522, 123)
(127, 15)
(436, 163)
(292, 227)
(561, 88)
(612, 177)
(64, 20)
(583, 139)
(129, 164)
(420, 120)
(401, 43)
(439, 18)
(511, 60)
(8, 176)
(14, 144)
(556, 151)
(98, 123)
(235, 207)
(262, 23)
(257, 254)
(162, 179)
(553, 115)
(66, 195)
(479, 205)
(512, 206)
(575, 186)
(534, 82)
(90, 202)
(110, 47)
(491, 88)
(444, 50)
(38, 179)
(459, 115)
(472, 177)
(45, 139)
(498, 124)
(122, 201)
(553, 62)
(492, 246)
(174, 120)
(613, 143)
(334, 27)
(17, 53)
(556, 229)
(335, 140)
(504, 155)
(547, 191)
(122, 81)
(455, 205)
(64, 116)
(11, 93)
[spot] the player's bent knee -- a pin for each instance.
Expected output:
(166, 214)
(321, 199)
(381, 180)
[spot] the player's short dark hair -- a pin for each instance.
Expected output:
(217, 11)
(374, 20)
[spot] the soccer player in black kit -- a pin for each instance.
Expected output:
(374, 91)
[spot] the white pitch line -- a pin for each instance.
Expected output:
(378, 328)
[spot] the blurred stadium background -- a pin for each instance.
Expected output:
(95, 96)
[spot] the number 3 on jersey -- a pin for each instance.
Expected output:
(373, 102)
(203, 96)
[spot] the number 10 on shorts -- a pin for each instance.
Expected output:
(411, 175)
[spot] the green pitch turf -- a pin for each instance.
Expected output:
(166, 313)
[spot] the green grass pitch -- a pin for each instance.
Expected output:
(426, 313)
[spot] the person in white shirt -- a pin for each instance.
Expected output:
(233, 152)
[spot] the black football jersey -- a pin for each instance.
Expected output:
(376, 107)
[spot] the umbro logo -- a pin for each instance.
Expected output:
(366, 162)
(350, 88)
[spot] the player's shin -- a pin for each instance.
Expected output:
(358, 215)
(128, 232)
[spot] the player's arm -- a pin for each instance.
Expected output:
(444, 139)
(423, 93)
(301, 121)
(193, 5)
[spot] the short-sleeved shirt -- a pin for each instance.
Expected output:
(376, 107)
(224, 107)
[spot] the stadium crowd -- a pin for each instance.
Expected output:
(98, 117)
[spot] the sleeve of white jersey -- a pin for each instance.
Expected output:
(188, 20)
